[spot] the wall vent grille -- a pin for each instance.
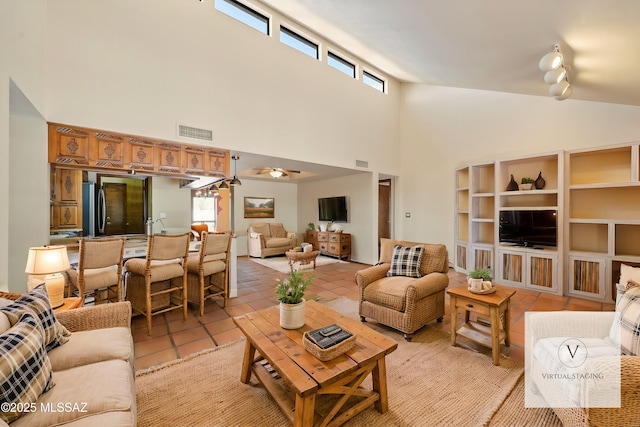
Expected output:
(362, 164)
(195, 133)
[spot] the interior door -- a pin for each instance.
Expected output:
(384, 204)
(115, 195)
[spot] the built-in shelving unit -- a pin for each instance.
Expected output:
(475, 216)
(595, 194)
(603, 218)
(481, 196)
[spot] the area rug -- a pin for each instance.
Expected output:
(429, 383)
(281, 263)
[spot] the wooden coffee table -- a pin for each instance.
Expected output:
(303, 258)
(307, 380)
(494, 306)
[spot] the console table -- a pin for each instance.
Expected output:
(330, 243)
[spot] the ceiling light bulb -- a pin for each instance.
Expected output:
(555, 76)
(276, 173)
(567, 93)
(559, 89)
(551, 60)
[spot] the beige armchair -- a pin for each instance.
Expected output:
(401, 302)
(269, 238)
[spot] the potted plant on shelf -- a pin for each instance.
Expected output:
(526, 183)
(291, 296)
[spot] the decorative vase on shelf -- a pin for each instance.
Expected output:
(292, 315)
(540, 182)
(513, 185)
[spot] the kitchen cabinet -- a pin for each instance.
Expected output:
(91, 149)
(66, 199)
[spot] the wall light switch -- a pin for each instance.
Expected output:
(163, 215)
(407, 214)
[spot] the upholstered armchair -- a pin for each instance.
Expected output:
(400, 301)
(269, 238)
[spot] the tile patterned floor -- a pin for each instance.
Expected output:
(172, 337)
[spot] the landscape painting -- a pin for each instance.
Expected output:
(259, 207)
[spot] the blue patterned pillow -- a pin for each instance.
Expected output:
(405, 261)
(25, 369)
(37, 303)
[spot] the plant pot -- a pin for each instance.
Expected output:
(526, 186)
(292, 315)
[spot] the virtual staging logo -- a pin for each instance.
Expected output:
(572, 353)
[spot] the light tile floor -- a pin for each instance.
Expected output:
(172, 337)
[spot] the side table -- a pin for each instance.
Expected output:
(495, 306)
(69, 303)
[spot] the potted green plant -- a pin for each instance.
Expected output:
(290, 293)
(480, 279)
(311, 226)
(526, 183)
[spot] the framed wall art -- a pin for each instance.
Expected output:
(259, 207)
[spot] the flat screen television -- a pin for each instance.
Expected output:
(529, 227)
(333, 209)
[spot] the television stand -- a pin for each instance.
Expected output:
(330, 243)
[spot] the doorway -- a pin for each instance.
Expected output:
(384, 210)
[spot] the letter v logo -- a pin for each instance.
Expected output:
(572, 352)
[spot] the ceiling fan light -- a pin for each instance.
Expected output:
(559, 89)
(276, 173)
(567, 93)
(550, 61)
(555, 76)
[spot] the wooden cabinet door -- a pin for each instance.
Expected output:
(68, 186)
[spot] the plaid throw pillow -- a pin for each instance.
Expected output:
(627, 322)
(37, 303)
(405, 261)
(25, 370)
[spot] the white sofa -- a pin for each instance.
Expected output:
(269, 238)
(93, 372)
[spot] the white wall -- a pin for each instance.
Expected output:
(444, 128)
(141, 66)
(360, 203)
(286, 207)
(167, 197)
(24, 204)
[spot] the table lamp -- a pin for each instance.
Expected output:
(49, 261)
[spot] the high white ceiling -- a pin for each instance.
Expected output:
(487, 44)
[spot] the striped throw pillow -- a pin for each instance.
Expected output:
(25, 370)
(37, 303)
(405, 261)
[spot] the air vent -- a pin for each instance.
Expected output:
(362, 164)
(195, 133)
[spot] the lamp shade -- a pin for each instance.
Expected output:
(235, 181)
(559, 89)
(223, 184)
(567, 93)
(550, 61)
(47, 260)
(555, 76)
(276, 173)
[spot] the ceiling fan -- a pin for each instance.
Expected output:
(275, 172)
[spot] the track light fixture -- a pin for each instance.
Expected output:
(556, 74)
